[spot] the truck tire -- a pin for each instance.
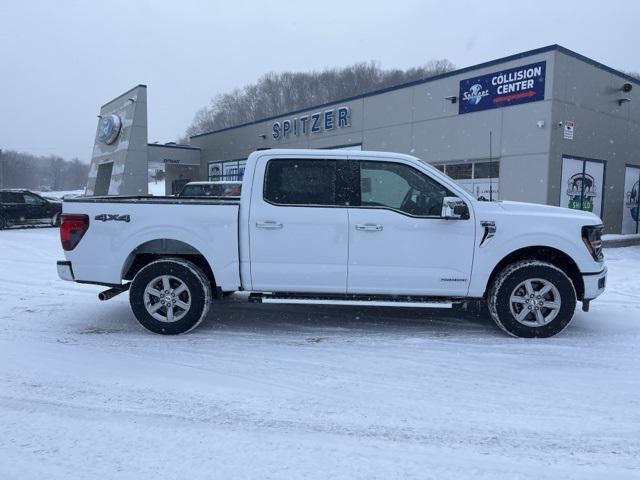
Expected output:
(532, 299)
(170, 296)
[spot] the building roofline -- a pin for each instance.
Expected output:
(184, 147)
(517, 56)
(123, 94)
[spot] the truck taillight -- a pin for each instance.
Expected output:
(72, 228)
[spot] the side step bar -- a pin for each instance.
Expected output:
(352, 300)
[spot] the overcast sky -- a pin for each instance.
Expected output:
(60, 60)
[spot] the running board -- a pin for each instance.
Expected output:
(352, 300)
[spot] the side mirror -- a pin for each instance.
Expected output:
(453, 208)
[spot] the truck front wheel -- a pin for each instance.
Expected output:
(170, 296)
(532, 299)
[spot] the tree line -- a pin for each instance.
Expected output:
(278, 93)
(23, 170)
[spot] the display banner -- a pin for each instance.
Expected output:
(234, 171)
(582, 184)
(229, 171)
(215, 170)
(502, 89)
(631, 206)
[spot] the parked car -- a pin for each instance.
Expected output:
(337, 227)
(22, 207)
(211, 189)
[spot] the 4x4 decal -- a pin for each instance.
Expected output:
(106, 217)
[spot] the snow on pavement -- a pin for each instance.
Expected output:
(308, 392)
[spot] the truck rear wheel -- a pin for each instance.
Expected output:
(532, 299)
(170, 296)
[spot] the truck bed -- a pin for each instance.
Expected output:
(121, 226)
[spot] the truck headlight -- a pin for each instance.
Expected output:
(592, 238)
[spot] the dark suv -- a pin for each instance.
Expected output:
(22, 207)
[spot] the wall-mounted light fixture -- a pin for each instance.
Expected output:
(623, 100)
(627, 87)
(262, 136)
(132, 100)
(452, 98)
(540, 123)
(99, 116)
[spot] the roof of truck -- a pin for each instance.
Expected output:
(304, 152)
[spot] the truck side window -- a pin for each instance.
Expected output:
(33, 200)
(400, 187)
(13, 197)
(300, 182)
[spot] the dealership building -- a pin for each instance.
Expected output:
(546, 126)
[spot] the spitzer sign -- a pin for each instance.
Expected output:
(502, 89)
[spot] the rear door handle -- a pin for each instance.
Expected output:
(369, 227)
(269, 225)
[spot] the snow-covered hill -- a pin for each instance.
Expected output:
(300, 392)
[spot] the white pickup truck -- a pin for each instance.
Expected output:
(338, 227)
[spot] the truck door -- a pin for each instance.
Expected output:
(298, 226)
(399, 244)
(36, 208)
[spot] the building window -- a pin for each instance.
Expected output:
(481, 179)
(486, 170)
(460, 171)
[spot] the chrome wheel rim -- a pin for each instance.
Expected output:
(535, 302)
(167, 298)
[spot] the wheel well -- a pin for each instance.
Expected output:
(156, 249)
(547, 254)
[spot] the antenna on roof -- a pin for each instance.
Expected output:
(490, 167)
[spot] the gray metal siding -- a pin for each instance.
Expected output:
(604, 130)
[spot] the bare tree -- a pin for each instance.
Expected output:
(22, 170)
(277, 93)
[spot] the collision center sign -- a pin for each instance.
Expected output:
(502, 89)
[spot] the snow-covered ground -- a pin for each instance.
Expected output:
(308, 392)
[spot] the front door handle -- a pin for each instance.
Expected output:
(369, 227)
(269, 225)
